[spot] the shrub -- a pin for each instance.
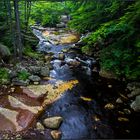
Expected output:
(23, 75)
(4, 76)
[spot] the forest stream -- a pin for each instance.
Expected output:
(69, 69)
(73, 90)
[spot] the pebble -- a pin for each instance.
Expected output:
(56, 135)
(120, 112)
(36, 83)
(109, 86)
(121, 119)
(127, 111)
(128, 131)
(12, 89)
(109, 106)
(119, 101)
(39, 126)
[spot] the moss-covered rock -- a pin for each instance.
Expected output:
(4, 52)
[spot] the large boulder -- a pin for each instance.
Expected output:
(53, 122)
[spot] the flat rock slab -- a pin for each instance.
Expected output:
(63, 38)
(19, 110)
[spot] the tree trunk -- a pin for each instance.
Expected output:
(11, 27)
(18, 30)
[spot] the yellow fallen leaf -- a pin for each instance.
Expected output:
(86, 99)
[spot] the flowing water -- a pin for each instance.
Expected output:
(82, 115)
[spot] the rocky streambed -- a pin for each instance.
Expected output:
(65, 97)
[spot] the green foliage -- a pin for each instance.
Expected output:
(29, 52)
(91, 14)
(120, 60)
(87, 50)
(4, 76)
(48, 13)
(23, 75)
(115, 30)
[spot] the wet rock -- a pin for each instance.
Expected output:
(119, 101)
(65, 50)
(18, 104)
(64, 18)
(56, 135)
(48, 58)
(61, 25)
(122, 119)
(44, 71)
(72, 62)
(34, 69)
(39, 126)
(69, 38)
(134, 93)
(34, 78)
(18, 82)
(109, 106)
(19, 117)
(127, 111)
(53, 122)
(61, 56)
(13, 74)
(135, 105)
(20, 68)
(35, 91)
(133, 85)
(107, 74)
